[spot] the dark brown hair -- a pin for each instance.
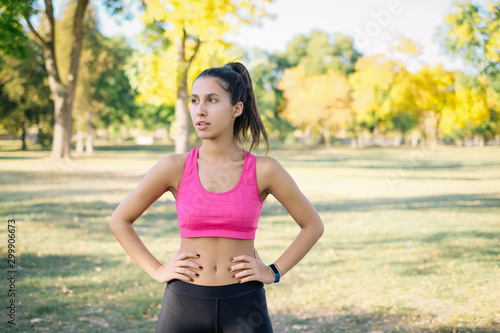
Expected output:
(235, 80)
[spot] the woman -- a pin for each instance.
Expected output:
(215, 280)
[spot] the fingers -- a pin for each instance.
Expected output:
(190, 264)
(185, 255)
(242, 258)
(183, 268)
(250, 269)
(186, 274)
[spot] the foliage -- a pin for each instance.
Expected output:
(266, 70)
(319, 52)
(472, 31)
(470, 111)
(371, 90)
(195, 29)
(320, 101)
(13, 38)
(25, 95)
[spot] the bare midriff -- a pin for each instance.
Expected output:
(215, 257)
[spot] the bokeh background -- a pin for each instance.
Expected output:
(384, 112)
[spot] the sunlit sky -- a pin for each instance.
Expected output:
(372, 23)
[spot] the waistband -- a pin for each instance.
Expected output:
(212, 292)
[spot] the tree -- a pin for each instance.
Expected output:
(24, 95)
(371, 87)
(405, 113)
(321, 101)
(472, 32)
(63, 91)
(267, 70)
(320, 52)
(103, 96)
(470, 111)
(188, 25)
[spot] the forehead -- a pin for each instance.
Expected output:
(207, 85)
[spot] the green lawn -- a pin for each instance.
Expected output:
(412, 241)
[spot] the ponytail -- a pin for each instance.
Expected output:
(235, 80)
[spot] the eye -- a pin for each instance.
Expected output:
(212, 100)
(193, 100)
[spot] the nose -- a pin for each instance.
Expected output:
(201, 110)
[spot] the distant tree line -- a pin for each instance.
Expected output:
(67, 83)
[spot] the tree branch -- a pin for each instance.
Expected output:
(196, 49)
(38, 39)
(49, 10)
(76, 46)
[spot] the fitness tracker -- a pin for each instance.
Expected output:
(276, 273)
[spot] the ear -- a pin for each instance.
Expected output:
(237, 109)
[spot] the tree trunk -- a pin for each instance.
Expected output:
(307, 133)
(326, 135)
(354, 142)
(376, 133)
(23, 135)
(183, 119)
(63, 93)
(397, 140)
(89, 144)
(414, 138)
(79, 142)
(182, 116)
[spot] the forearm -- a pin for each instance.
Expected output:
(305, 240)
(132, 244)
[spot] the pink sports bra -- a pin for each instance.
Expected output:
(231, 214)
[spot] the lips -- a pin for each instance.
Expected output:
(201, 125)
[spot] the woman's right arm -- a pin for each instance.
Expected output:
(164, 175)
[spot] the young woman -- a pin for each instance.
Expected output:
(215, 280)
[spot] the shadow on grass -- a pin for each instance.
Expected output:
(442, 202)
(349, 321)
(453, 201)
(44, 177)
(20, 157)
(31, 265)
(47, 195)
(65, 212)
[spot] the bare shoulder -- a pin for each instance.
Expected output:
(169, 169)
(269, 173)
(173, 162)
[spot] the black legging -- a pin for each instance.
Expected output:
(234, 308)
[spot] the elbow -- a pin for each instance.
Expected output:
(117, 223)
(114, 223)
(320, 229)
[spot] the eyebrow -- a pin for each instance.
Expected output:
(210, 94)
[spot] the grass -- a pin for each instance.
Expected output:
(411, 241)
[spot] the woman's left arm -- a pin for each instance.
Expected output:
(275, 180)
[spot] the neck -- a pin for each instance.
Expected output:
(217, 151)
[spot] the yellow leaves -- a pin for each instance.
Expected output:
(406, 45)
(156, 10)
(188, 22)
(471, 109)
(317, 100)
(371, 85)
(205, 20)
(479, 112)
(155, 75)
